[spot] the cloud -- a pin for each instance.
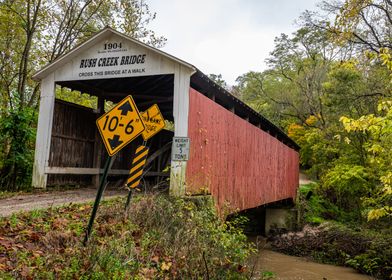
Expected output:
(228, 37)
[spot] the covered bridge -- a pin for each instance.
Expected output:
(235, 153)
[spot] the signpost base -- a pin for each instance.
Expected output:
(128, 200)
(101, 189)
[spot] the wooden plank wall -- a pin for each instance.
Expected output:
(238, 162)
(72, 144)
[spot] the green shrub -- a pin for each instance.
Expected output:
(192, 233)
(345, 185)
(314, 208)
(17, 135)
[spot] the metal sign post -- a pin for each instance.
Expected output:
(118, 127)
(101, 189)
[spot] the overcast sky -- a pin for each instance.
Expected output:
(228, 37)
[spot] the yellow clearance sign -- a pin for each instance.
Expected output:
(153, 121)
(120, 125)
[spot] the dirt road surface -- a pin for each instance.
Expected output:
(304, 179)
(28, 202)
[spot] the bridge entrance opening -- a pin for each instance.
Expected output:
(69, 149)
(77, 153)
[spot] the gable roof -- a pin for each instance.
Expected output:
(104, 33)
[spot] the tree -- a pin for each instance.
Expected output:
(379, 162)
(293, 86)
(218, 79)
(45, 29)
(34, 33)
(366, 23)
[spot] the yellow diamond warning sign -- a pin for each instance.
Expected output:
(153, 121)
(120, 125)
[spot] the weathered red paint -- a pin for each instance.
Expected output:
(238, 162)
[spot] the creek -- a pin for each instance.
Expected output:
(287, 267)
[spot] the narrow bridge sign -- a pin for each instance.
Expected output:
(153, 121)
(120, 125)
(138, 162)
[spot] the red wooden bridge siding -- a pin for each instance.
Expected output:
(238, 162)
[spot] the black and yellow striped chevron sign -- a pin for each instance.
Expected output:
(136, 172)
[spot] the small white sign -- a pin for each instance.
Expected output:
(180, 148)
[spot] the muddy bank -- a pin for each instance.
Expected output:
(295, 268)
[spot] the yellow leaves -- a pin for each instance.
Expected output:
(350, 64)
(385, 106)
(82, 208)
(165, 266)
(387, 179)
(376, 214)
(364, 123)
(311, 120)
(386, 58)
(387, 182)
(370, 55)
(346, 123)
(344, 119)
(350, 14)
(385, 210)
(347, 140)
(327, 86)
(295, 130)
(376, 148)
(387, 190)
(295, 126)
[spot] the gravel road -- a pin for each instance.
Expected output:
(28, 202)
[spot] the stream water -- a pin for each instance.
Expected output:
(287, 267)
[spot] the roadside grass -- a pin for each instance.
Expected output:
(159, 238)
(7, 194)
